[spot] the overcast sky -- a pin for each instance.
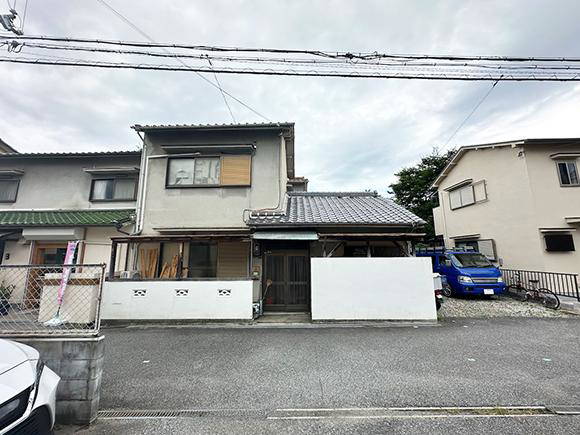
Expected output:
(351, 134)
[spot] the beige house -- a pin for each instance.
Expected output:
(223, 223)
(518, 202)
(49, 199)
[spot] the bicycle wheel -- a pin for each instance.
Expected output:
(518, 292)
(549, 298)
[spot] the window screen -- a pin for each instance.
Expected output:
(559, 242)
(8, 190)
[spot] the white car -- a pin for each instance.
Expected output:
(27, 391)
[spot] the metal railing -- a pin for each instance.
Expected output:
(562, 284)
(49, 300)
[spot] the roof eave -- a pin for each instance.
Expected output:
(222, 127)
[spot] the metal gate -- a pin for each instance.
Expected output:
(286, 280)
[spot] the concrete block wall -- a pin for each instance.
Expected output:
(79, 363)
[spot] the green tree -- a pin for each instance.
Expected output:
(413, 187)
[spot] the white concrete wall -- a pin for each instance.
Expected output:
(372, 289)
(123, 300)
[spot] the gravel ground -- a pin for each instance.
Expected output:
(503, 306)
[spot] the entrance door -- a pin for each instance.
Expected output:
(289, 275)
(44, 253)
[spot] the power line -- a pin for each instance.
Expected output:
(24, 16)
(149, 38)
(413, 75)
(287, 61)
(329, 54)
(471, 113)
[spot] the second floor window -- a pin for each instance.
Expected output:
(568, 172)
(202, 171)
(114, 189)
(8, 190)
(225, 171)
(467, 195)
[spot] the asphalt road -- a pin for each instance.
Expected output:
(250, 373)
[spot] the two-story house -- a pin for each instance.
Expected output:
(518, 202)
(48, 199)
(223, 224)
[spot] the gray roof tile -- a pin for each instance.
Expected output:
(340, 208)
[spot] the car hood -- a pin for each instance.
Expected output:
(481, 272)
(11, 355)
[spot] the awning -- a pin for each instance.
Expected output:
(39, 233)
(64, 218)
(285, 235)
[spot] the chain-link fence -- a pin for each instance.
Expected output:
(46, 300)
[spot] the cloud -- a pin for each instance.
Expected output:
(350, 134)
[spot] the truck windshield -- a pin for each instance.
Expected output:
(471, 260)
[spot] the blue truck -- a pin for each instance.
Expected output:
(466, 272)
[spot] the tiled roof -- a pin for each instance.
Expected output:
(337, 208)
(72, 154)
(139, 127)
(60, 218)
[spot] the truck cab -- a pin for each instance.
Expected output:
(467, 272)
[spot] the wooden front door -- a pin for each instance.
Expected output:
(43, 253)
(288, 273)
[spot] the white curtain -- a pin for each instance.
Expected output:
(8, 190)
(125, 189)
(100, 188)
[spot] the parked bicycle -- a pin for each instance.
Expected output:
(534, 293)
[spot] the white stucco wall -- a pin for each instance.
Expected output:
(125, 300)
(212, 207)
(372, 289)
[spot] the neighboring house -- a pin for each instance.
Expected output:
(48, 199)
(5, 148)
(223, 221)
(518, 202)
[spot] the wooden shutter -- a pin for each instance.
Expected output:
(233, 259)
(236, 170)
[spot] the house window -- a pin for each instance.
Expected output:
(114, 189)
(467, 195)
(202, 260)
(568, 172)
(227, 170)
(202, 171)
(559, 242)
(484, 246)
(8, 190)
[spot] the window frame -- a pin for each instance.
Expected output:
(570, 235)
(9, 201)
(114, 179)
(188, 186)
(566, 162)
(209, 244)
(472, 186)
